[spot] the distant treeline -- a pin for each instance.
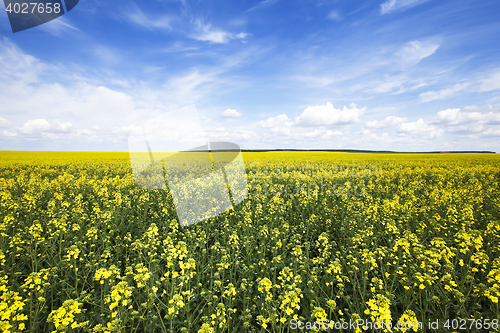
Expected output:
(372, 151)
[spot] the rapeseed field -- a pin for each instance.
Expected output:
(322, 240)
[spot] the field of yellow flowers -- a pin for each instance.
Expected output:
(321, 237)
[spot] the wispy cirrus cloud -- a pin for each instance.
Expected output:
(484, 83)
(490, 83)
(188, 88)
(179, 47)
(396, 5)
(137, 17)
(443, 93)
(18, 65)
(262, 4)
(59, 27)
(192, 28)
(414, 51)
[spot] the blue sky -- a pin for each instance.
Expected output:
(407, 75)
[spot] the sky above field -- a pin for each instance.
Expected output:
(405, 75)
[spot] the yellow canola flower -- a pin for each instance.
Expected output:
(206, 328)
(319, 313)
(379, 310)
(11, 307)
(65, 317)
(265, 285)
(407, 322)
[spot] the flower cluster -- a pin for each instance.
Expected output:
(11, 309)
(379, 310)
(66, 316)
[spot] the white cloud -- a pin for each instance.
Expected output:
(491, 132)
(24, 90)
(82, 100)
(395, 5)
(332, 134)
(37, 126)
(389, 121)
(444, 93)
(231, 113)
(450, 116)
(241, 35)
(327, 115)
(7, 133)
(279, 121)
(34, 126)
(310, 125)
(214, 36)
(419, 129)
(377, 142)
(470, 119)
(4, 123)
(205, 32)
(414, 51)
